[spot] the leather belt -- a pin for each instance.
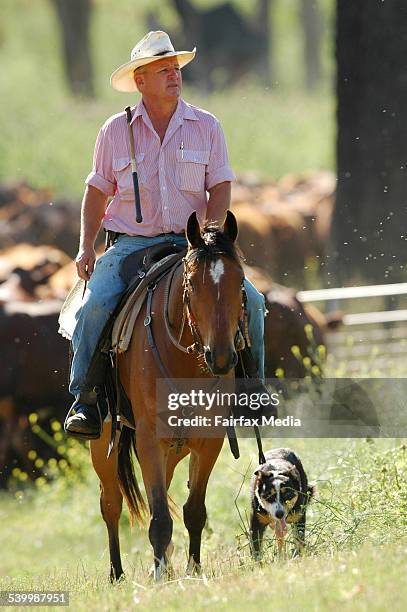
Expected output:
(112, 236)
(117, 234)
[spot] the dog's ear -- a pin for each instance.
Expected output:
(294, 472)
(257, 473)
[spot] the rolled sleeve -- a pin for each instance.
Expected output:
(218, 169)
(102, 176)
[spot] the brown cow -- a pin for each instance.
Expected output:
(27, 269)
(277, 243)
(283, 225)
(292, 331)
(28, 215)
(33, 377)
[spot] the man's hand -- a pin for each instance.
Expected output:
(85, 262)
(93, 208)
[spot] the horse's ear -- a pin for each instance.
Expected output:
(230, 227)
(193, 231)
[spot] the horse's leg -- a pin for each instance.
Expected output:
(152, 458)
(110, 496)
(173, 459)
(200, 468)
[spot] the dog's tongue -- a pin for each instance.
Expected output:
(280, 528)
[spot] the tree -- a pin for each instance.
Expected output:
(369, 230)
(230, 46)
(74, 18)
(311, 21)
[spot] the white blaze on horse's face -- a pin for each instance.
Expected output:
(216, 271)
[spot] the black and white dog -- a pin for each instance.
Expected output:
(279, 495)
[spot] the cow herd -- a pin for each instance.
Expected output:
(282, 230)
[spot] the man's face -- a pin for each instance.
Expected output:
(161, 79)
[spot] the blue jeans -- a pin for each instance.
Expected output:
(104, 291)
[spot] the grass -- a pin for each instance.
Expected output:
(356, 537)
(48, 137)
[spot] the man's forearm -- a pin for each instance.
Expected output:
(93, 209)
(219, 202)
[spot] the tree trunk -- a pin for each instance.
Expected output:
(264, 29)
(74, 20)
(369, 231)
(311, 21)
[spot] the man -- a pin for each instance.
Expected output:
(181, 156)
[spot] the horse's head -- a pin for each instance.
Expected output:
(213, 291)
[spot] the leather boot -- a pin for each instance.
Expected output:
(84, 419)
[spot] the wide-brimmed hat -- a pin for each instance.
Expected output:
(154, 46)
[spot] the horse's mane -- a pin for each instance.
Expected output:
(214, 242)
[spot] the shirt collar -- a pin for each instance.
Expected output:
(187, 112)
(139, 111)
(183, 111)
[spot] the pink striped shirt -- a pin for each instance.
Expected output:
(173, 175)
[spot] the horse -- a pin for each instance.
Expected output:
(204, 306)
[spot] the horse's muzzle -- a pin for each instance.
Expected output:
(220, 363)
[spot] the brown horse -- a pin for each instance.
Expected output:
(207, 291)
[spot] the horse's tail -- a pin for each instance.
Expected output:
(127, 477)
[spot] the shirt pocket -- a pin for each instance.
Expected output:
(124, 177)
(191, 167)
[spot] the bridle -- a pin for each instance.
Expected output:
(197, 347)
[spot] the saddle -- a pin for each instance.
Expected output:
(139, 271)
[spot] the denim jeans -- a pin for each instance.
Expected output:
(104, 291)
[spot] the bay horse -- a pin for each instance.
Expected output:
(206, 291)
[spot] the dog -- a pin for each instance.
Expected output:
(280, 494)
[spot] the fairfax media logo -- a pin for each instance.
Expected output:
(231, 421)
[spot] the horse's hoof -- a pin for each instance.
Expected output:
(162, 571)
(193, 568)
(120, 578)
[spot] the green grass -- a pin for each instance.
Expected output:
(54, 538)
(48, 137)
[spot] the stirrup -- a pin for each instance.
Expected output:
(82, 435)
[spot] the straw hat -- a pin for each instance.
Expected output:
(154, 46)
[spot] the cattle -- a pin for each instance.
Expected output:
(284, 225)
(276, 243)
(294, 333)
(33, 216)
(26, 269)
(33, 378)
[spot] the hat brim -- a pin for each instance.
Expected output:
(122, 79)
